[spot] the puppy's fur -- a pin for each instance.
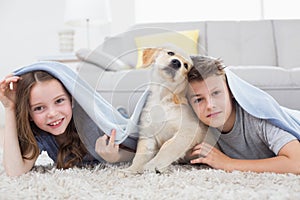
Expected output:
(168, 125)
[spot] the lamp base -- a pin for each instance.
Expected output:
(66, 40)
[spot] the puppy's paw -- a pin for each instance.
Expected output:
(130, 171)
(152, 168)
(123, 173)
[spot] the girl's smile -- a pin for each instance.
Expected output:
(51, 111)
(56, 123)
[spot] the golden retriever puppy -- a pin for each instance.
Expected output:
(168, 125)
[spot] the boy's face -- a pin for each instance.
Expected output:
(211, 100)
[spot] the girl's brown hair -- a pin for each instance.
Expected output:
(71, 151)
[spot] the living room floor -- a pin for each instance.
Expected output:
(1, 136)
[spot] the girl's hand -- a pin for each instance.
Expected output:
(207, 154)
(8, 91)
(106, 147)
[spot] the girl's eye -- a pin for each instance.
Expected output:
(38, 109)
(61, 100)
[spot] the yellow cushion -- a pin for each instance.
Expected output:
(186, 40)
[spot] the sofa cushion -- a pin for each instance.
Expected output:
(102, 60)
(287, 36)
(179, 26)
(123, 89)
(186, 40)
(124, 81)
(265, 77)
(241, 42)
(123, 45)
(295, 76)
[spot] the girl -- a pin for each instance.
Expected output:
(255, 133)
(38, 112)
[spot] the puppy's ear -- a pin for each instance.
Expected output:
(148, 56)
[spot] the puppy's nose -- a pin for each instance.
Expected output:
(175, 64)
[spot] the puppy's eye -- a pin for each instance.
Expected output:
(186, 65)
(171, 53)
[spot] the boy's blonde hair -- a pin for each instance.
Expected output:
(205, 67)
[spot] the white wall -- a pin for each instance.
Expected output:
(29, 29)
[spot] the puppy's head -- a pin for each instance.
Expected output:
(170, 64)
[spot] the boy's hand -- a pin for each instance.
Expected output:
(106, 147)
(210, 155)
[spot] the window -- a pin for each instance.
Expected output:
(195, 10)
(281, 9)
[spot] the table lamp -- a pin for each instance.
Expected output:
(87, 13)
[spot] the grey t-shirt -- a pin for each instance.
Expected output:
(253, 138)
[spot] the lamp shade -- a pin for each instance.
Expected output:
(78, 12)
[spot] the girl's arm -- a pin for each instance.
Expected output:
(287, 160)
(13, 161)
(110, 151)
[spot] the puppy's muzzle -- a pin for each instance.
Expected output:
(175, 64)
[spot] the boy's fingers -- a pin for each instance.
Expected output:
(196, 147)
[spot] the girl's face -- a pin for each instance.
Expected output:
(212, 102)
(50, 106)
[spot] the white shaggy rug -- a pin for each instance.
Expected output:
(181, 182)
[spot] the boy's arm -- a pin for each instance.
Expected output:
(287, 160)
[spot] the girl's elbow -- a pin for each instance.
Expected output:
(297, 167)
(12, 172)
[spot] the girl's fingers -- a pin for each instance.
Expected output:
(12, 79)
(112, 137)
(104, 137)
(9, 82)
(102, 141)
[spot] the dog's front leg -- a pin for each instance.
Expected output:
(146, 150)
(173, 149)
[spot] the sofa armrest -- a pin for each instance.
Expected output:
(101, 59)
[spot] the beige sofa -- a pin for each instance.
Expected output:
(265, 53)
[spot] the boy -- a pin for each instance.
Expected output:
(252, 136)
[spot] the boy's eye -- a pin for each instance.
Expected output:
(216, 93)
(198, 100)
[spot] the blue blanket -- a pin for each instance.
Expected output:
(261, 105)
(92, 114)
